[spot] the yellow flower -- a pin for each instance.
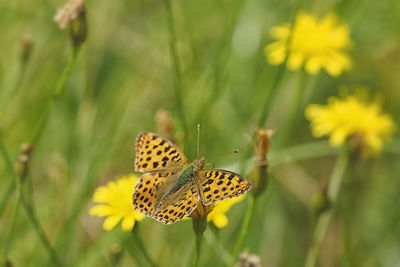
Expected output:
(314, 43)
(114, 201)
(352, 116)
(218, 214)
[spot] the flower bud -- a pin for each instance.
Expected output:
(116, 253)
(199, 216)
(26, 45)
(22, 165)
(320, 201)
(259, 175)
(248, 260)
(165, 124)
(72, 15)
(26, 148)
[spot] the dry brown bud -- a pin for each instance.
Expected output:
(22, 165)
(263, 144)
(26, 46)
(259, 174)
(248, 260)
(73, 15)
(165, 124)
(68, 13)
(26, 148)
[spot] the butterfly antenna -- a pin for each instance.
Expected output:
(224, 154)
(198, 140)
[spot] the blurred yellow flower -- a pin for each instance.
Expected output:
(352, 116)
(218, 214)
(114, 201)
(314, 43)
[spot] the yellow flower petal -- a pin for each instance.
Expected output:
(101, 210)
(127, 223)
(275, 53)
(280, 32)
(110, 222)
(295, 60)
(220, 220)
(218, 214)
(338, 137)
(313, 65)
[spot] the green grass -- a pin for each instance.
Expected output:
(124, 73)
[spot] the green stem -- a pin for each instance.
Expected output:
(6, 197)
(245, 228)
(18, 198)
(41, 233)
(199, 227)
(96, 159)
(219, 248)
(56, 93)
(295, 110)
(196, 258)
(346, 234)
(324, 219)
(15, 89)
(35, 222)
(176, 67)
(33, 219)
(142, 247)
(346, 216)
(271, 93)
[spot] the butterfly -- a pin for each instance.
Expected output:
(172, 187)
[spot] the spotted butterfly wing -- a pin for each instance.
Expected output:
(148, 189)
(215, 185)
(156, 153)
(152, 186)
(183, 205)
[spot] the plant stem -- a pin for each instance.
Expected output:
(141, 246)
(176, 67)
(41, 233)
(294, 111)
(324, 219)
(271, 93)
(18, 198)
(31, 215)
(199, 226)
(196, 258)
(6, 197)
(245, 227)
(346, 216)
(56, 93)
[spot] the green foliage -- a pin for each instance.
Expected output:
(123, 75)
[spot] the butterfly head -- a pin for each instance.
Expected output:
(199, 163)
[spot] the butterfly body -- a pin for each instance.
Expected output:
(171, 187)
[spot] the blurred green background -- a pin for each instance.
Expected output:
(123, 76)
